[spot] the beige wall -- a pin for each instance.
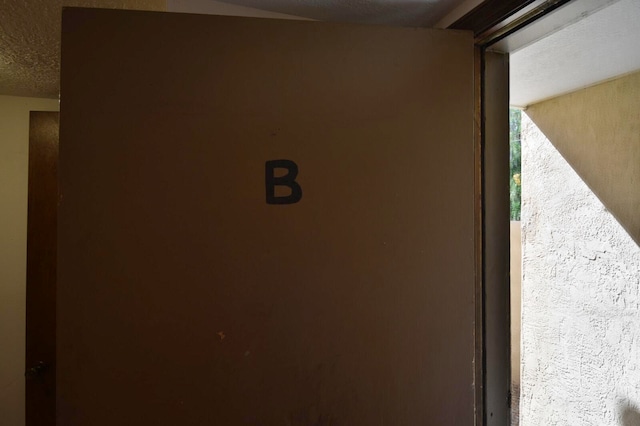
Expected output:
(598, 132)
(14, 148)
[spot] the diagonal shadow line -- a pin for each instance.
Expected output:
(570, 154)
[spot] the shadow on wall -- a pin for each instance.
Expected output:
(578, 123)
(630, 414)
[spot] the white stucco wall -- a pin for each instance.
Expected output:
(581, 299)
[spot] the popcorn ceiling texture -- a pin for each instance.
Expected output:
(581, 299)
(30, 42)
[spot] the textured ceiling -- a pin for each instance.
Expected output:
(30, 42)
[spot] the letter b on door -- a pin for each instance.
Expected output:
(288, 180)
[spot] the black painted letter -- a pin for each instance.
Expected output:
(271, 181)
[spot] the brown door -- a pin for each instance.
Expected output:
(264, 222)
(41, 269)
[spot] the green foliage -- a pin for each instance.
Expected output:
(515, 177)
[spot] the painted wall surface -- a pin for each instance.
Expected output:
(581, 299)
(14, 147)
(598, 131)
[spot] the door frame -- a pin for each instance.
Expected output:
(492, 22)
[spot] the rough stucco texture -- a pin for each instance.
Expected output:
(30, 42)
(581, 299)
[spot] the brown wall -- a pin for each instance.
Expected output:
(597, 130)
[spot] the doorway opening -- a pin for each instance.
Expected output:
(575, 79)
